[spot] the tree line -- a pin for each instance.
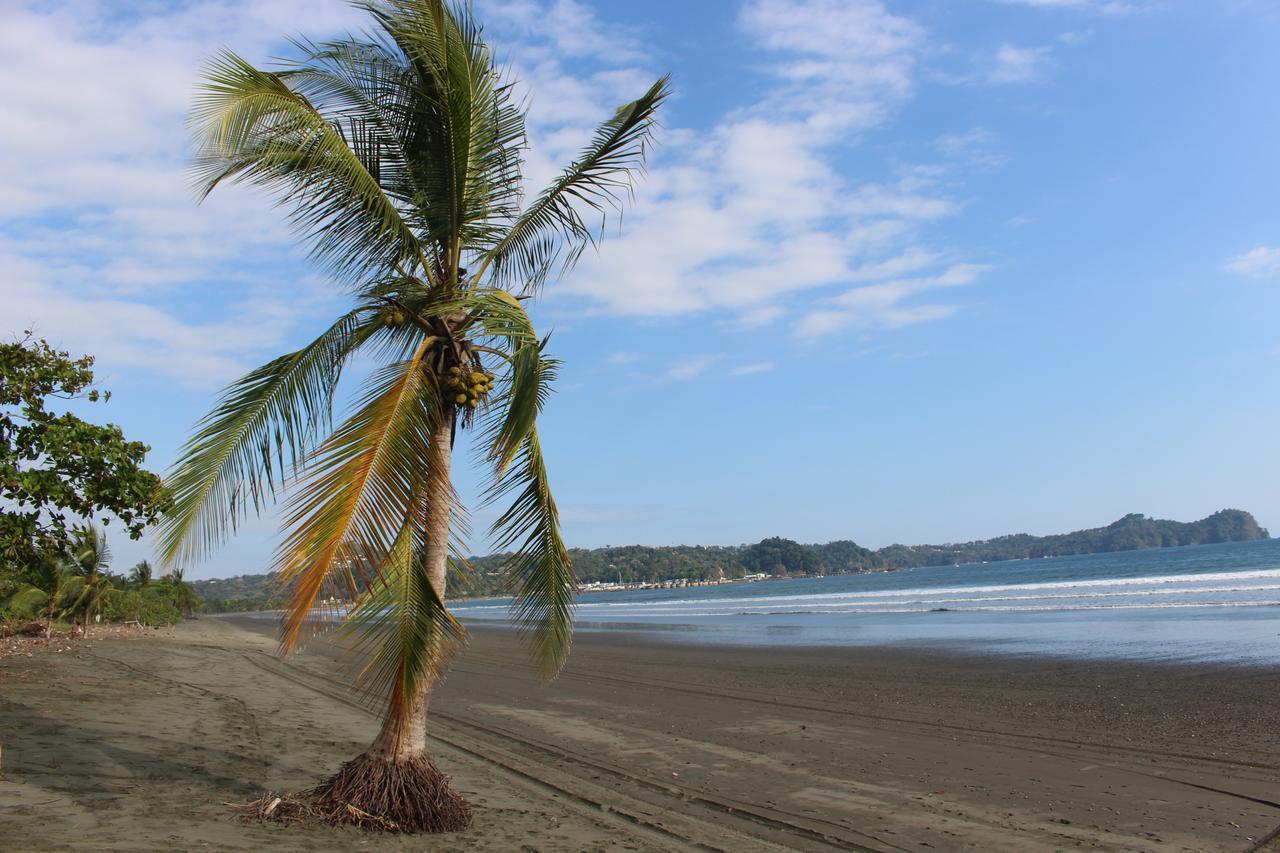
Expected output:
(780, 557)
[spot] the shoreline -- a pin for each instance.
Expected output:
(137, 743)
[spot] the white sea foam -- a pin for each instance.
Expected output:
(1161, 582)
(896, 608)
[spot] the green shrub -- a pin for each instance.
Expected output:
(152, 605)
(27, 602)
(158, 605)
(119, 605)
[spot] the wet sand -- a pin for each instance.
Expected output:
(136, 744)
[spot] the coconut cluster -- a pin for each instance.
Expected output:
(393, 315)
(466, 386)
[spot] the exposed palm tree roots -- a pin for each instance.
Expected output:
(373, 793)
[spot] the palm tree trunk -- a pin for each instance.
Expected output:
(403, 738)
(394, 784)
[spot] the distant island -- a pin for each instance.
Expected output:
(779, 557)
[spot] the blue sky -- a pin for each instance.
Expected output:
(900, 272)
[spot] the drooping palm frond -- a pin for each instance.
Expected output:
(252, 127)
(528, 376)
(403, 632)
(260, 428)
(552, 229)
(358, 488)
(540, 571)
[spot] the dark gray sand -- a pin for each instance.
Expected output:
(136, 744)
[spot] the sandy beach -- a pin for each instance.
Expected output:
(137, 743)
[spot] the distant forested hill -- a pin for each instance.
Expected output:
(784, 557)
(1133, 532)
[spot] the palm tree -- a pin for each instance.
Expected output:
(140, 574)
(87, 559)
(398, 153)
(184, 595)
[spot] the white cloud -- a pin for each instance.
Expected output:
(750, 216)
(750, 369)
(562, 28)
(104, 245)
(1262, 262)
(847, 62)
(976, 147)
(754, 318)
(1016, 64)
(753, 215)
(886, 304)
(123, 332)
(692, 367)
(623, 358)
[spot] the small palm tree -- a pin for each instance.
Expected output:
(140, 574)
(87, 560)
(399, 155)
(184, 595)
(48, 574)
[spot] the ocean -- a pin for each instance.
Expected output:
(1217, 603)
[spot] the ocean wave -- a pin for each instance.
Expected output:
(1093, 583)
(1008, 609)
(726, 605)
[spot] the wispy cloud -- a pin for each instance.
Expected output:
(1262, 262)
(623, 358)
(1014, 64)
(749, 369)
(977, 147)
(886, 304)
(692, 367)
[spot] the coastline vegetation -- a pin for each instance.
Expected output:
(58, 473)
(780, 557)
(73, 588)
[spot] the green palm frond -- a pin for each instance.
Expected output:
(72, 593)
(141, 573)
(252, 127)
(552, 230)
(528, 375)
(540, 571)
(237, 460)
(358, 488)
(89, 555)
(464, 132)
(528, 387)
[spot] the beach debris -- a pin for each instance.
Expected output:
(281, 808)
(26, 629)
